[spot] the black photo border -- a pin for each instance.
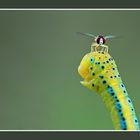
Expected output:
(69, 4)
(68, 135)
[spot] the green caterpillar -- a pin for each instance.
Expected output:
(101, 75)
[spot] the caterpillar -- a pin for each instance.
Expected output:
(100, 74)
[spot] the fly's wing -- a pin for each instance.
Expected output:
(110, 37)
(87, 34)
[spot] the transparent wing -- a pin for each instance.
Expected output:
(87, 34)
(110, 37)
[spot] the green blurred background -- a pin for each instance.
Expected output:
(39, 56)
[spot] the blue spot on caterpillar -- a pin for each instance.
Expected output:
(92, 60)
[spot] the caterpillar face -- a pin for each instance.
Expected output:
(86, 66)
(98, 69)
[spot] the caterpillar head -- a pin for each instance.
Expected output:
(98, 69)
(86, 66)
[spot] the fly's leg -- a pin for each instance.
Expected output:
(104, 48)
(94, 47)
(97, 47)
